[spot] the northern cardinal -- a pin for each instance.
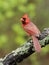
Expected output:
(32, 30)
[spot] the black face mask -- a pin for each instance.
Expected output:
(23, 22)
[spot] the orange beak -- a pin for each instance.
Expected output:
(21, 19)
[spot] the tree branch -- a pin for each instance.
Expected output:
(25, 50)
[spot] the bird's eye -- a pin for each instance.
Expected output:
(24, 19)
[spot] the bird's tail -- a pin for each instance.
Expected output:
(36, 44)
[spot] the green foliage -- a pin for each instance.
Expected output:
(18, 29)
(20, 40)
(10, 12)
(3, 40)
(11, 31)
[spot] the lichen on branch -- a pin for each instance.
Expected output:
(24, 51)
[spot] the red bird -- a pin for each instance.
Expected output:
(32, 30)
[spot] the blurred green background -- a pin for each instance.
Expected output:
(11, 33)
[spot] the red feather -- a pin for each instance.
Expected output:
(36, 44)
(32, 30)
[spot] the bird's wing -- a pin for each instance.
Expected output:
(31, 28)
